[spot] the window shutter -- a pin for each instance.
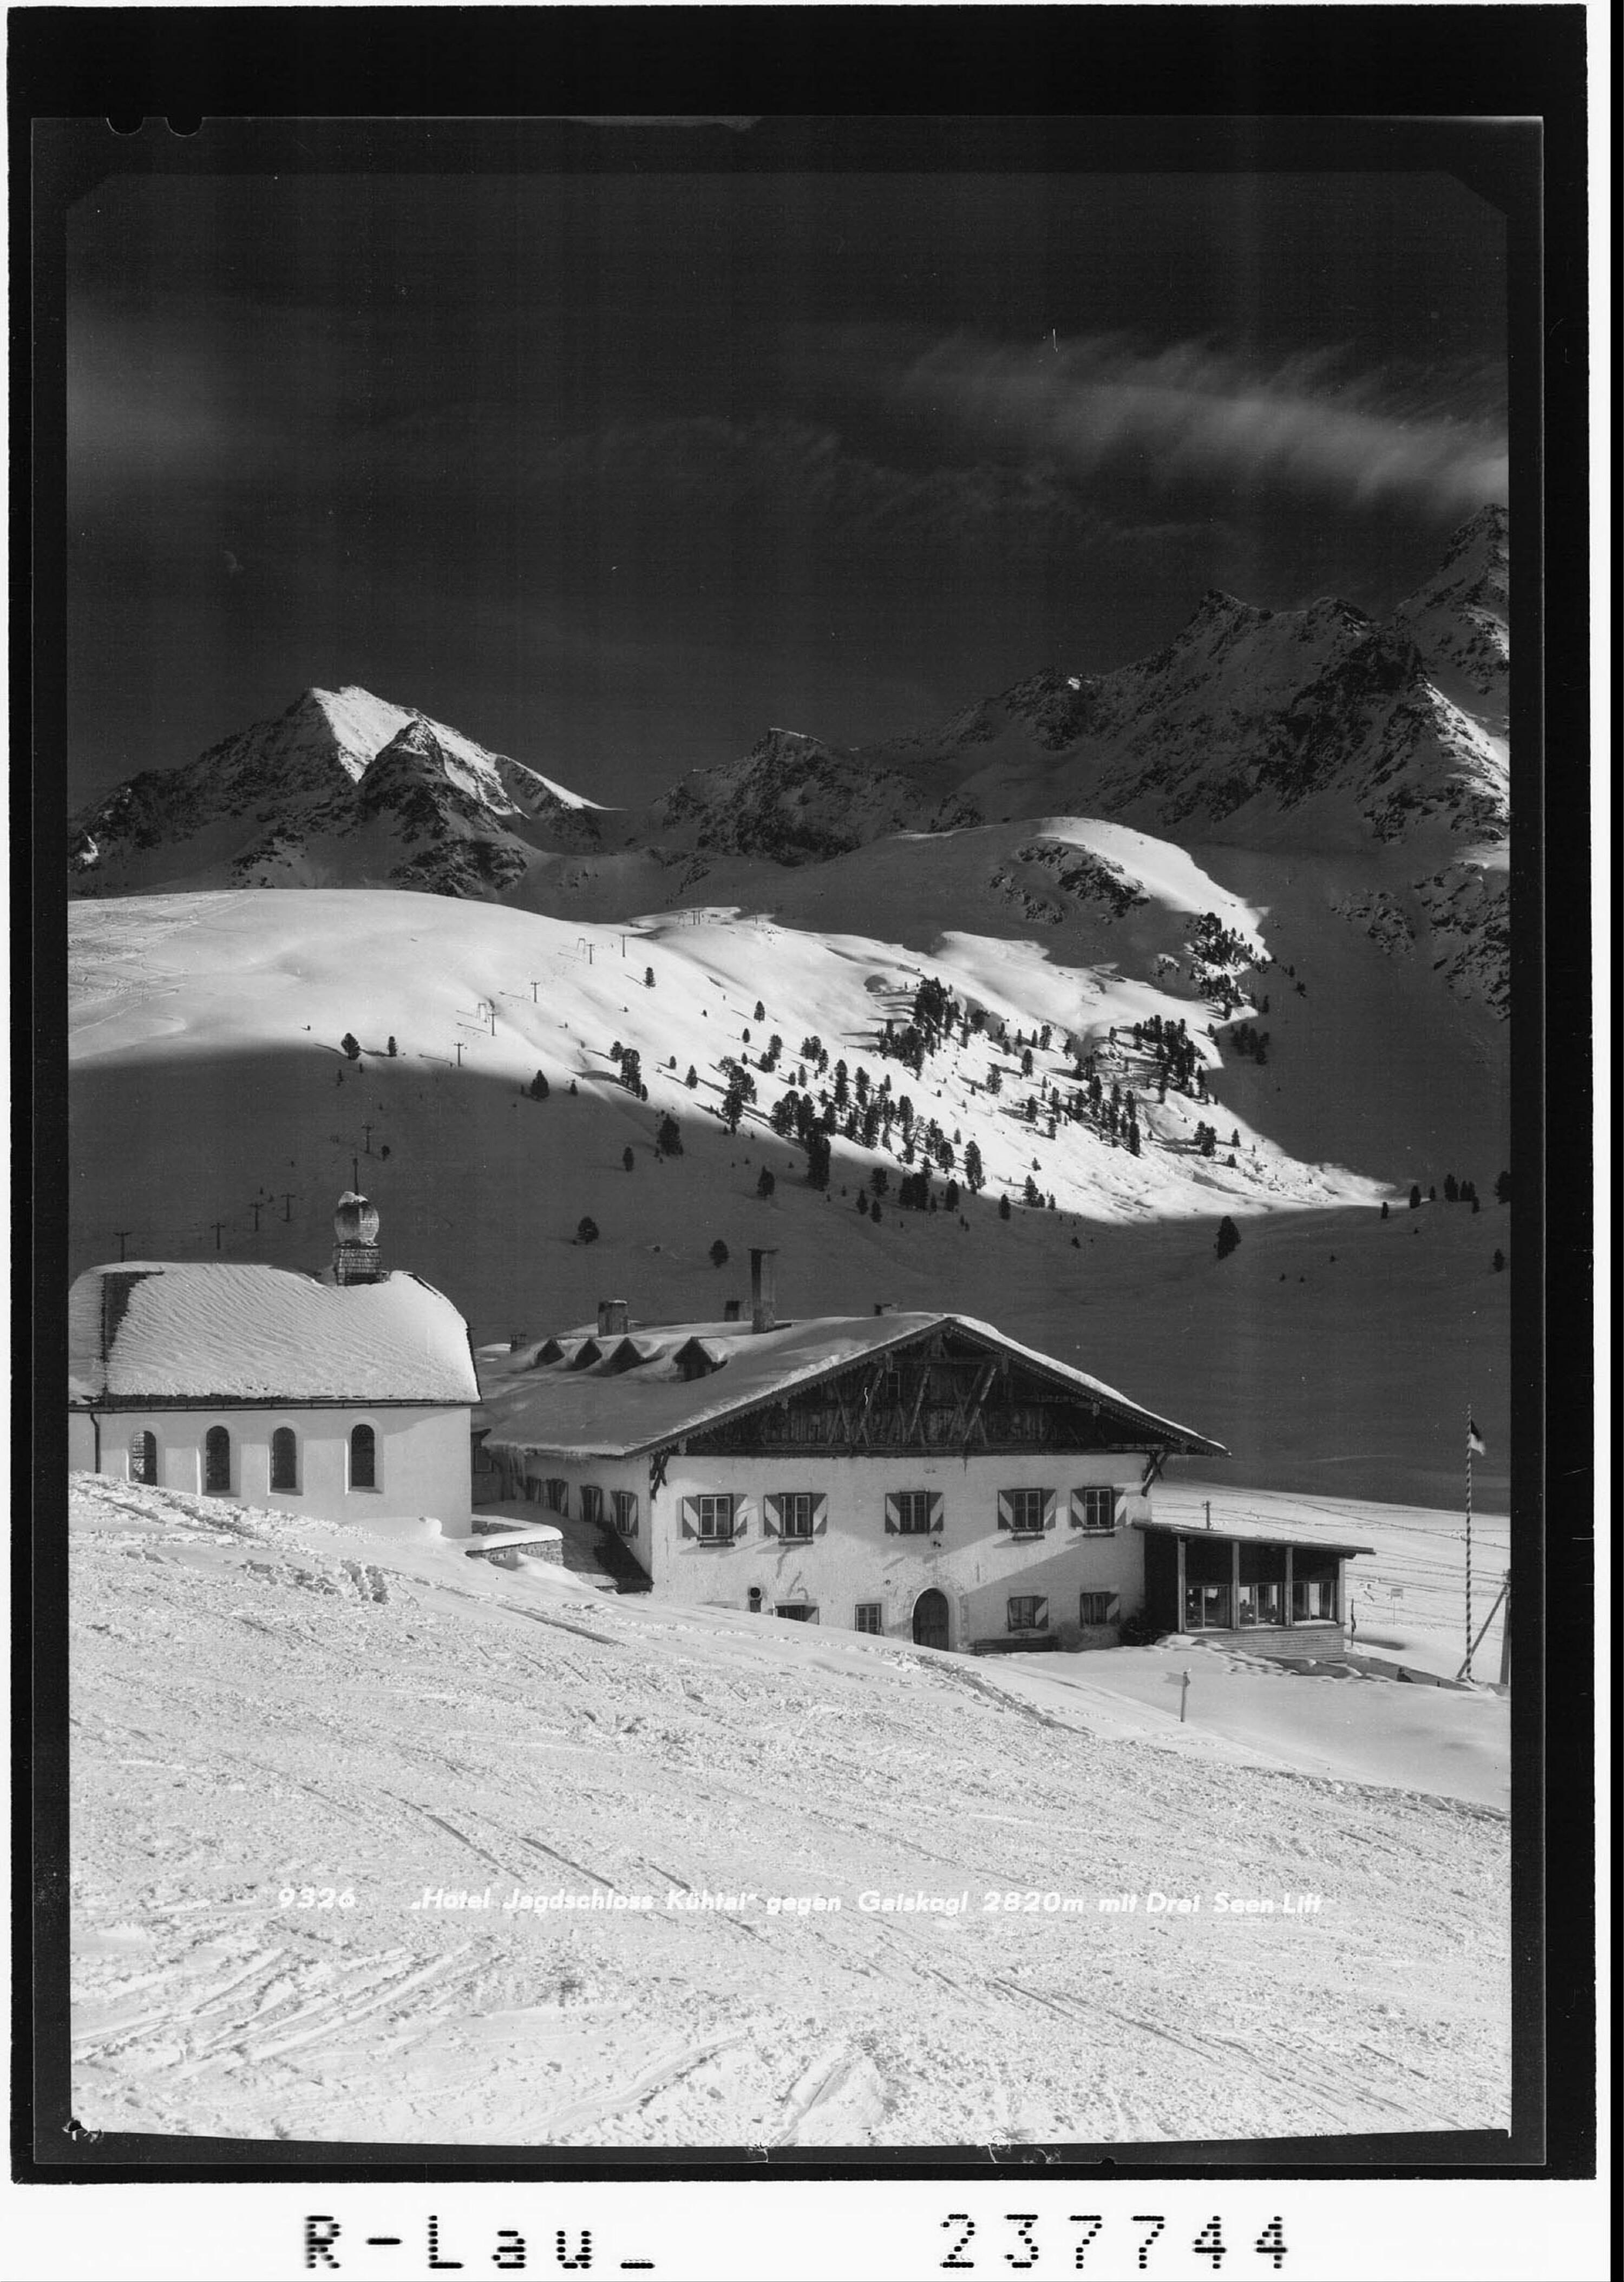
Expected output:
(1118, 1500)
(690, 1517)
(743, 1514)
(891, 1523)
(1040, 1617)
(1078, 1511)
(936, 1509)
(772, 1517)
(820, 1515)
(1006, 1512)
(1048, 1509)
(1110, 1608)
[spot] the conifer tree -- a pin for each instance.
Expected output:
(648, 978)
(352, 1045)
(718, 1254)
(1227, 1238)
(668, 1137)
(538, 1088)
(764, 1185)
(391, 1049)
(586, 1230)
(628, 1160)
(1003, 1208)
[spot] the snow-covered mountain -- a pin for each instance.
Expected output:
(1310, 729)
(344, 790)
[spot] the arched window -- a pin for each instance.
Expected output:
(217, 1461)
(363, 1458)
(144, 1457)
(284, 1459)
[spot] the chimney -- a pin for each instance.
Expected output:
(355, 1241)
(516, 1340)
(762, 1316)
(731, 1311)
(611, 1316)
(884, 1307)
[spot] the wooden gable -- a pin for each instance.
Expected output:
(947, 1390)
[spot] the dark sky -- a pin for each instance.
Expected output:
(613, 471)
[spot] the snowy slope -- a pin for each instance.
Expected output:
(364, 1716)
(207, 1086)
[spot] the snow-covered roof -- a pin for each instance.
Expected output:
(147, 1330)
(613, 1394)
(1254, 1533)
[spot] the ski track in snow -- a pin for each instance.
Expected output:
(315, 1737)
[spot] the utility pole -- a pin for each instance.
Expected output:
(287, 1203)
(1207, 1509)
(367, 1137)
(355, 1172)
(1466, 1670)
(459, 1054)
(254, 1209)
(217, 1226)
(123, 1235)
(533, 988)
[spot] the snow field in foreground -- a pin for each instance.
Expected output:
(265, 1706)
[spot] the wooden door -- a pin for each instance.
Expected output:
(930, 1618)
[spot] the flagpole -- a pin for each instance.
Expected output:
(1466, 1667)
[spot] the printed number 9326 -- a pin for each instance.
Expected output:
(316, 1897)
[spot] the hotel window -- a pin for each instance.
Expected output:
(144, 1457)
(913, 1513)
(715, 1517)
(870, 1616)
(363, 1458)
(285, 1459)
(1096, 1608)
(626, 1512)
(799, 1612)
(1093, 1508)
(592, 1502)
(555, 1496)
(1026, 1512)
(217, 1463)
(1029, 1612)
(1205, 1606)
(1311, 1600)
(797, 1510)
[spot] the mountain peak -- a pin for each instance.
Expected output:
(1217, 608)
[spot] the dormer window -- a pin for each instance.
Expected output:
(698, 1359)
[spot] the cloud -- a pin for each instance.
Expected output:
(1193, 410)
